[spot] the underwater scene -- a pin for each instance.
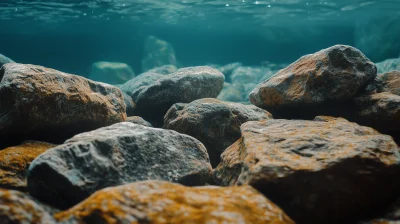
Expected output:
(200, 111)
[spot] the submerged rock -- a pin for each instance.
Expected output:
(215, 123)
(183, 86)
(14, 163)
(129, 104)
(233, 92)
(46, 104)
(18, 208)
(325, 171)
(245, 75)
(4, 60)
(111, 72)
(115, 155)
(163, 202)
(379, 106)
(164, 70)
(138, 120)
(388, 65)
(157, 53)
(304, 88)
(140, 82)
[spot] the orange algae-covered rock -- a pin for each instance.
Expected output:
(164, 202)
(14, 163)
(18, 208)
(325, 171)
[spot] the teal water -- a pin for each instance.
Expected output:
(71, 35)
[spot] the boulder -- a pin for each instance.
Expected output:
(4, 60)
(115, 155)
(214, 122)
(183, 86)
(164, 70)
(163, 202)
(14, 163)
(324, 171)
(49, 105)
(111, 72)
(129, 104)
(140, 82)
(138, 120)
(18, 208)
(233, 92)
(379, 106)
(388, 65)
(319, 83)
(157, 53)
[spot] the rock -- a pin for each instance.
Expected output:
(18, 208)
(4, 60)
(111, 72)
(379, 106)
(45, 104)
(163, 202)
(183, 86)
(140, 82)
(319, 83)
(157, 53)
(388, 65)
(228, 69)
(129, 104)
(138, 120)
(14, 163)
(114, 155)
(164, 70)
(325, 171)
(232, 92)
(215, 123)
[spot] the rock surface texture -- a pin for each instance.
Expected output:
(183, 86)
(18, 208)
(111, 72)
(163, 202)
(215, 123)
(14, 163)
(115, 155)
(323, 171)
(45, 103)
(332, 75)
(138, 120)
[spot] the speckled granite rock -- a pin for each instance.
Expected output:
(183, 86)
(115, 155)
(4, 60)
(139, 82)
(214, 122)
(325, 171)
(18, 208)
(49, 105)
(111, 72)
(163, 202)
(138, 120)
(329, 77)
(14, 163)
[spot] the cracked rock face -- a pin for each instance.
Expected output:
(18, 208)
(46, 103)
(324, 171)
(163, 202)
(335, 74)
(115, 155)
(214, 122)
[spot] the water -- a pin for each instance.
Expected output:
(71, 35)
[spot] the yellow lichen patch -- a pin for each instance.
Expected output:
(164, 202)
(14, 162)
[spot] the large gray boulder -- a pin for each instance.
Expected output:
(111, 72)
(46, 104)
(157, 53)
(183, 86)
(4, 60)
(315, 81)
(119, 154)
(323, 171)
(214, 122)
(141, 81)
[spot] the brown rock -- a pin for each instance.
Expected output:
(314, 81)
(18, 208)
(49, 105)
(328, 171)
(163, 202)
(14, 163)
